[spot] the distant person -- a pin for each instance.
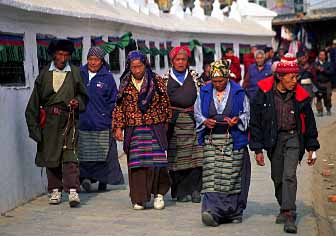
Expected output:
(281, 52)
(206, 73)
(249, 59)
(269, 55)
(324, 72)
(307, 74)
(234, 61)
(256, 72)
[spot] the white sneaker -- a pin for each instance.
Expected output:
(138, 207)
(159, 202)
(73, 198)
(55, 197)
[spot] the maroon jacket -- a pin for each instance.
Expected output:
(234, 68)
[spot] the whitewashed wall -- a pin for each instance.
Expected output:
(20, 180)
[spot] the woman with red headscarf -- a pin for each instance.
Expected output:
(185, 156)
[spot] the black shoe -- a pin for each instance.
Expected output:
(290, 226)
(281, 218)
(196, 197)
(183, 199)
(328, 113)
(208, 219)
(86, 184)
(102, 187)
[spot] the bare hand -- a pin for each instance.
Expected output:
(310, 159)
(210, 123)
(119, 134)
(260, 159)
(232, 122)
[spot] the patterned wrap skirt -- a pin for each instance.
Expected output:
(222, 166)
(183, 149)
(145, 149)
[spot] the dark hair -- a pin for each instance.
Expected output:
(277, 76)
(205, 65)
(267, 49)
(228, 50)
(322, 50)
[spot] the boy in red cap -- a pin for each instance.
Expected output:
(283, 124)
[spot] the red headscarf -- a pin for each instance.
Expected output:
(178, 49)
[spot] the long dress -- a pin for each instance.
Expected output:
(185, 156)
(226, 170)
(98, 153)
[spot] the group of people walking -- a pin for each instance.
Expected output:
(317, 74)
(178, 133)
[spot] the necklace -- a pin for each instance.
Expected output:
(219, 95)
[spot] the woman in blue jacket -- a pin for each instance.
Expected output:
(222, 116)
(97, 148)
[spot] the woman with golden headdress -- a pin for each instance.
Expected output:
(222, 116)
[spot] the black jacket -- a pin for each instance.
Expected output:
(263, 123)
(325, 75)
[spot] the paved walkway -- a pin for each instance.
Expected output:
(110, 213)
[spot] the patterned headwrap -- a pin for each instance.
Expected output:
(287, 65)
(148, 86)
(179, 49)
(96, 51)
(220, 68)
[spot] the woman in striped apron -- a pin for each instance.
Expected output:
(222, 116)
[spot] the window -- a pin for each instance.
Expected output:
(299, 6)
(114, 60)
(11, 60)
(131, 47)
(43, 56)
(208, 53)
(162, 53)
(114, 56)
(192, 60)
(243, 49)
(261, 46)
(225, 46)
(76, 57)
(153, 53)
(169, 48)
(97, 41)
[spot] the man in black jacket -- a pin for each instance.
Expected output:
(282, 123)
(324, 72)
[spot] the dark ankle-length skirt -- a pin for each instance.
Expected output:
(107, 172)
(224, 206)
(185, 182)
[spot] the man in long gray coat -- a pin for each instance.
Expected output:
(52, 116)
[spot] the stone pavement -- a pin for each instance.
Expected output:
(110, 213)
